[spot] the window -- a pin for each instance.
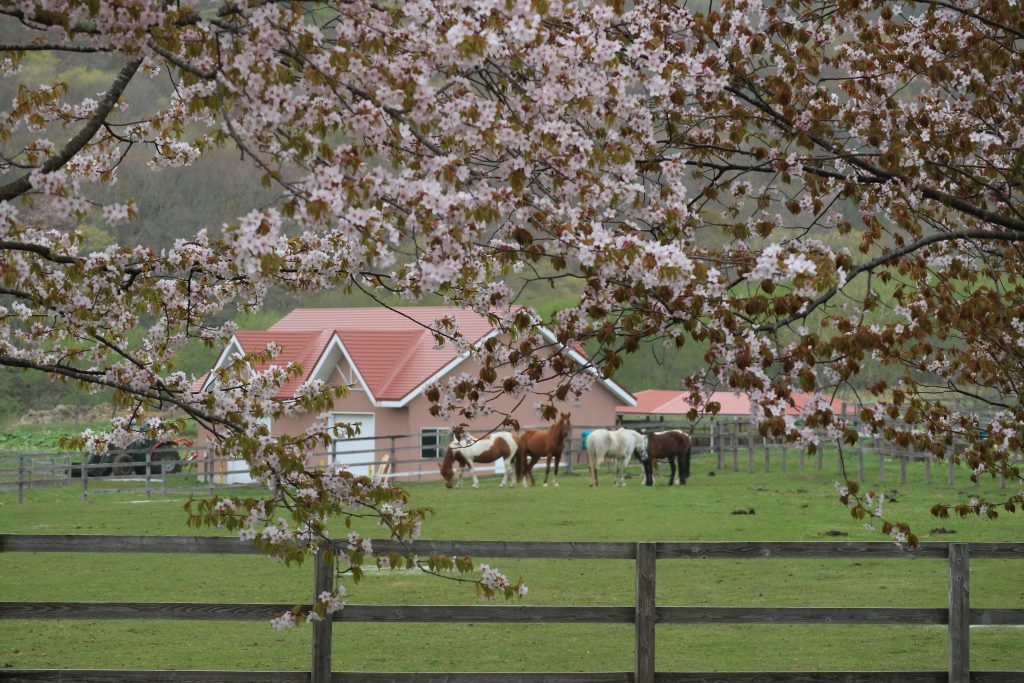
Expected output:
(433, 442)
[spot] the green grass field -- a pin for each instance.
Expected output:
(787, 507)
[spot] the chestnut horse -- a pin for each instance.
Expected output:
(493, 447)
(674, 446)
(539, 443)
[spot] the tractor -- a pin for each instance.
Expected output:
(163, 457)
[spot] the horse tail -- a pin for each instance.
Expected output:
(520, 457)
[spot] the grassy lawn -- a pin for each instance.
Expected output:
(787, 507)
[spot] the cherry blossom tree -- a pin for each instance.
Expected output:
(818, 191)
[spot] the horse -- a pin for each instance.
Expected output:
(674, 446)
(620, 444)
(499, 445)
(538, 443)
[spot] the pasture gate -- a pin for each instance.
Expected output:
(644, 613)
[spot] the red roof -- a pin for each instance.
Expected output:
(303, 348)
(668, 402)
(393, 350)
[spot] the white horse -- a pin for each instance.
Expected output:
(491, 448)
(620, 444)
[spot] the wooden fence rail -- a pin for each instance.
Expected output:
(645, 614)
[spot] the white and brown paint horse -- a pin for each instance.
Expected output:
(673, 445)
(540, 443)
(482, 451)
(619, 445)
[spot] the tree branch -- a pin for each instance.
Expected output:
(892, 256)
(22, 185)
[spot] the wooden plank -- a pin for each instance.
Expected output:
(151, 676)
(173, 611)
(997, 617)
(98, 543)
(524, 549)
(323, 581)
(532, 549)
(257, 612)
(814, 549)
(645, 612)
(481, 677)
(959, 614)
(805, 677)
(801, 615)
(163, 676)
(996, 551)
(486, 614)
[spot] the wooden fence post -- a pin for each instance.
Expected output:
(85, 476)
(860, 459)
(767, 457)
(323, 580)
(209, 470)
(735, 445)
(750, 446)
(149, 473)
(716, 443)
(959, 613)
(21, 478)
(643, 670)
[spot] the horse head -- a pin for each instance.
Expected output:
(447, 470)
(564, 425)
(640, 445)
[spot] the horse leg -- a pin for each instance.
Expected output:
(592, 462)
(504, 476)
(558, 459)
(476, 482)
(684, 467)
(648, 472)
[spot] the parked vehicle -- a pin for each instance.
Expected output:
(163, 456)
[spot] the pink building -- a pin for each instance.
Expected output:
(387, 358)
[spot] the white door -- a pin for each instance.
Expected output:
(361, 449)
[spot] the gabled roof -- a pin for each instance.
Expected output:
(669, 402)
(392, 351)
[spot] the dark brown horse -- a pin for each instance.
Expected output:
(535, 444)
(674, 446)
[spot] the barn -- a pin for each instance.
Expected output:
(388, 357)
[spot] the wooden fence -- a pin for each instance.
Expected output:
(729, 442)
(643, 613)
